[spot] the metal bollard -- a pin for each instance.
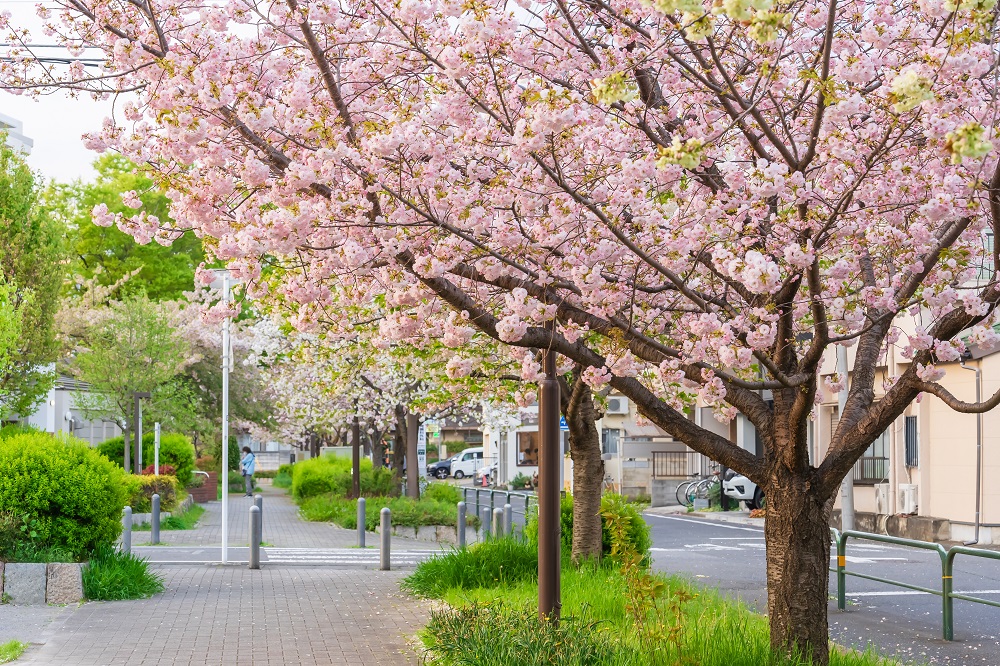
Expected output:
(508, 519)
(154, 528)
(460, 525)
(386, 525)
(255, 525)
(361, 522)
(127, 530)
(498, 523)
(484, 522)
(258, 501)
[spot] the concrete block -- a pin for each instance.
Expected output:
(64, 584)
(24, 584)
(427, 533)
(446, 534)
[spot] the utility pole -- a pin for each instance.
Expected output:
(549, 559)
(847, 488)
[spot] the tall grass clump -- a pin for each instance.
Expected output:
(11, 650)
(112, 575)
(487, 565)
(332, 474)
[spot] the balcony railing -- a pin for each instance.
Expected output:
(871, 470)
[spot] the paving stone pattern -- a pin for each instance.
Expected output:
(234, 616)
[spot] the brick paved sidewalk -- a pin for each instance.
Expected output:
(229, 615)
(282, 527)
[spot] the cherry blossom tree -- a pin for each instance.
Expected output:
(705, 200)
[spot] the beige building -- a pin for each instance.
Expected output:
(919, 478)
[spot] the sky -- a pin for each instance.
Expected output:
(55, 123)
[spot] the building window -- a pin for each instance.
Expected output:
(527, 449)
(912, 455)
(987, 269)
(609, 441)
(873, 467)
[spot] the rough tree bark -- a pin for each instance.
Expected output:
(399, 444)
(377, 449)
(588, 467)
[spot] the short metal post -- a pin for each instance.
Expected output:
(127, 530)
(255, 537)
(947, 602)
(460, 525)
(508, 519)
(154, 529)
(361, 522)
(498, 523)
(492, 499)
(386, 520)
(258, 501)
(484, 522)
(841, 572)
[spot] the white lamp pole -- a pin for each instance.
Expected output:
(225, 422)
(156, 449)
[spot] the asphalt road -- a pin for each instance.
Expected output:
(896, 621)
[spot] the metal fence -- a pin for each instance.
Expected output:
(871, 469)
(520, 503)
(670, 464)
(947, 589)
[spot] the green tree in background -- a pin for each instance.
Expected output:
(107, 252)
(133, 349)
(31, 267)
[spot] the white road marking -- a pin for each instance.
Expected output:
(704, 523)
(739, 538)
(870, 560)
(710, 546)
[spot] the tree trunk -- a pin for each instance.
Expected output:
(588, 474)
(797, 534)
(399, 444)
(377, 449)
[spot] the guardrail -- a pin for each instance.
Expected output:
(947, 589)
(520, 502)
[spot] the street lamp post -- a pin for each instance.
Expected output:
(137, 456)
(549, 603)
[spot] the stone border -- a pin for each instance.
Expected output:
(434, 533)
(27, 584)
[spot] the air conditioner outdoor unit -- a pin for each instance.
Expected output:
(617, 406)
(882, 498)
(907, 498)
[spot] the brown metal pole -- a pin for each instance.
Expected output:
(549, 602)
(356, 461)
(412, 473)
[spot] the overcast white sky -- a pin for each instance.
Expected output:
(55, 123)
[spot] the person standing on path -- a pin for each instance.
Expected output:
(247, 466)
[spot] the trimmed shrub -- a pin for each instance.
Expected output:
(283, 479)
(165, 470)
(611, 503)
(332, 474)
(144, 486)
(17, 429)
(65, 494)
(176, 450)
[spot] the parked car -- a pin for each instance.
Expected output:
(740, 487)
(467, 462)
(442, 468)
(486, 476)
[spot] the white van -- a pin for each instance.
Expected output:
(467, 462)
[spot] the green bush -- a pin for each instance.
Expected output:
(66, 495)
(406, 512)
(283, 479)
(112, 575)
(142, 488)
(176, 450)
(13, 429)
(443, 492)
(520, 481)
(235, 455)
(332, 474)
(639, 536)
(489, 564)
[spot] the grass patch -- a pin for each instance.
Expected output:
(113, 575)
(493, 592)
(182, 521)
(437, 506)
(282, 480)
(11, 650)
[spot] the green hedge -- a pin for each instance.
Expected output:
(614, 504)
(176, 450)
(62, 493)
(142, 488)
(332, 474)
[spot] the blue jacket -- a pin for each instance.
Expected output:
(248, 464)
